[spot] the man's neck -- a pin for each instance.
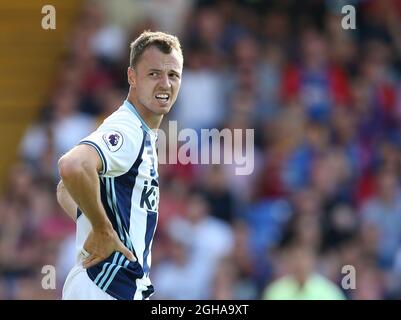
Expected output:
(152, 120)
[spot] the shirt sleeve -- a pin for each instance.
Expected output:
(118, 147)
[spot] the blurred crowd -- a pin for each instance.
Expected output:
(325, 104)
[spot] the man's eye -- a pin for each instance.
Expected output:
(153, 74)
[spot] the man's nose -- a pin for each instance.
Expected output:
(165, 82)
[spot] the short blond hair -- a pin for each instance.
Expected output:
(163, 41)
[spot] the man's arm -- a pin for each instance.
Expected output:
(79, 172)
(65, 200)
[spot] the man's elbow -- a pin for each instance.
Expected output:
(69, 167)
(78, 162)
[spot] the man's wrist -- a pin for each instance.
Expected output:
(102, 226)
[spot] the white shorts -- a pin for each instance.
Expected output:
(78, 285)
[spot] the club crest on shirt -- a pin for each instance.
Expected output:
(113, 140)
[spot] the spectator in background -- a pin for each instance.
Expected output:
(315, 84)
(302, 282)
(383, 213)
(201, 98)
(180, 276)
(211, 239)
(221, 199)
(65, 128)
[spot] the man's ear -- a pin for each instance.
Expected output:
(131, 77)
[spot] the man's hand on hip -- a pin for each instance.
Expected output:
(100, 244)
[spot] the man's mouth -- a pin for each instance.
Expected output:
(163, 97)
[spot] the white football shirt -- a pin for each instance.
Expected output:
(129, 190)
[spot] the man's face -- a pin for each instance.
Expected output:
(156, 79)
